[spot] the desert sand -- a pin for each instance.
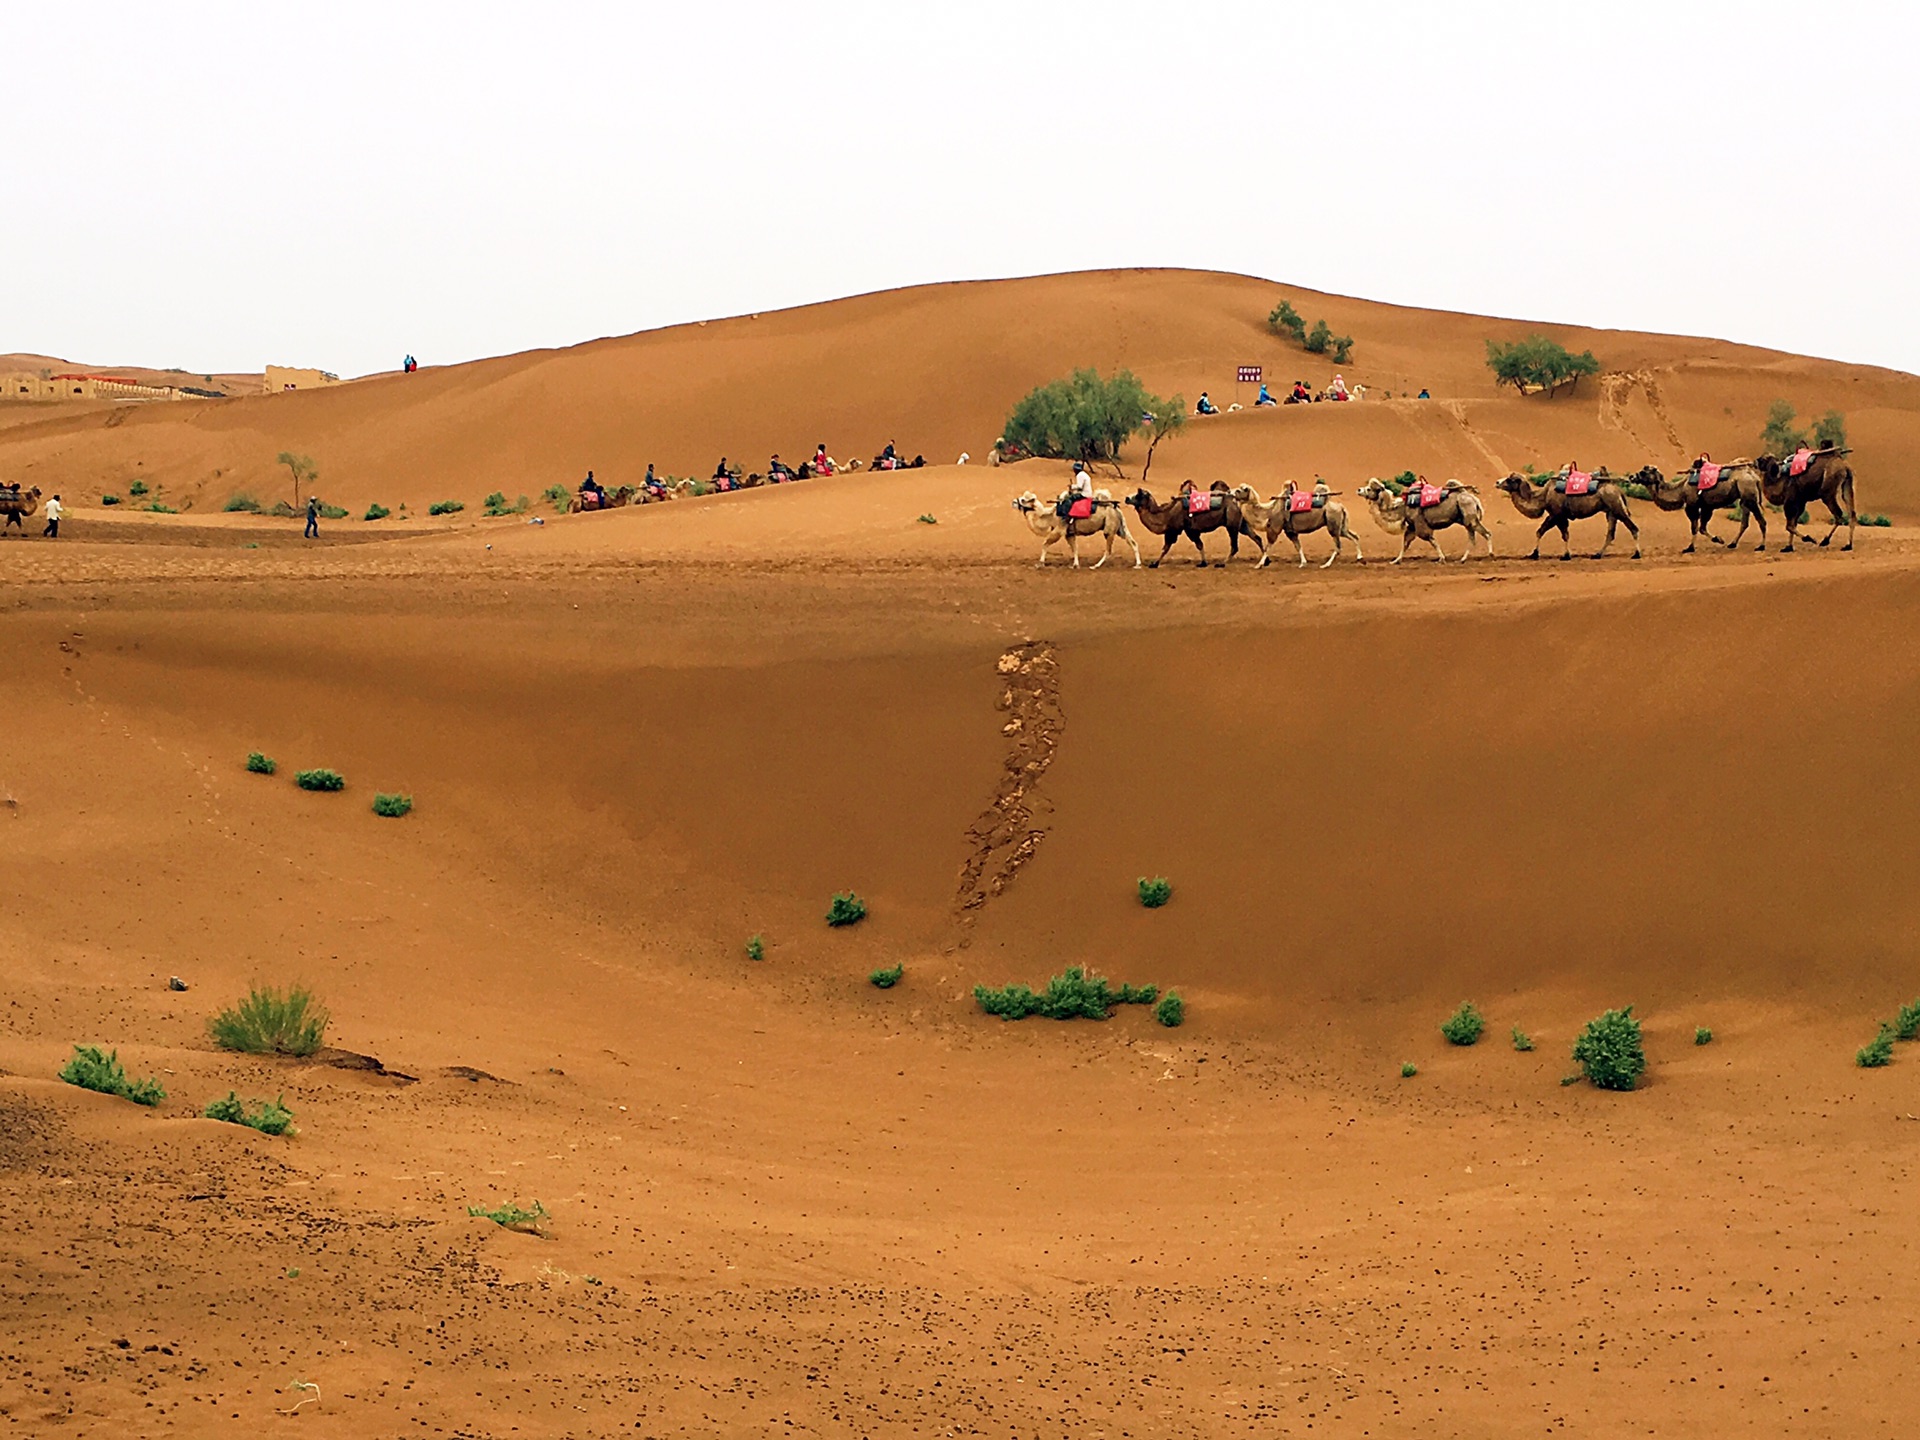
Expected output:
(786, 1202)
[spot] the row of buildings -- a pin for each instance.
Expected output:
(42, 386)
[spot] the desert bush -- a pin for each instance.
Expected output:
(1464, 1026)
(1171, 1011)
(109, 499)
(847, 909)
(1702, 1035)
(1156, 892)
(269, 1117)
(392, 807)
(756, 948)
(321, 779)
(1609, 1051)
(91, 1068)
(270, 1023)
(1780, 436)
(1401, 481)
(1343, 353)
(332, 512)
(1408, 1070)
(1073, 994)
(1084, 417)
(376, 512)
(1880, 520)
(1537, 363)
(155, 507)
(241, 502)
(1521, 1040)
(1285, 320)
(1830, 431)
(1878, 1051)
(258, 764)
(137, 489)
(282, 510)
(558, 496)
(886, 979)
(495, 503)
(1137, 994)
(446, 507)
(511, 1217)
(1906, 1024)
(928, 520)
(1319, 338)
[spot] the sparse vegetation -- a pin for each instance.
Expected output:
(446, 507)
(1609, 1050)
(1702, 1035)
(269, 1117)
(558, 496)
(1408, 1070)
(109, 499)
(1780, 436)
(1171, 1011)
(155, 507)
(376, 512)
(497, 506)
(847, 909)
(258, 764)
(332, 512)
(1084, 417)
(512, 1217)
(1521, 1040)
(322, 779)
(1878, 1051)
(91, 1068)
(268, 1022)
(392, 807)
(1537, 363)
(241, 501)
(1906, 1024)
(1830, 431)
(928, 520)
(1284, 320)
(756, 948)
(1155, 892)
(1071, 995)
(137, 489)
(300, 467)
(1464, 1026)
(887, 978)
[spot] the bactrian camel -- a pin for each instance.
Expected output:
(1556, 510)
(1828, 479)
(1107, 519)
(1459, 505)
(16, 503)
(1274, 518)
(1737, 483)
(1170, 519)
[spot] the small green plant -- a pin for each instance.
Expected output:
(91, 1068)
(1156, 892)
(1073, 994)
(241, 502)
(928, 520)
(1343, 351)
(1319, 339)
(1609, 1051)
(495, 503)
(392, 807)
(1780, 436)
(1702, 1035)
(847, 909)
(1171, 1011)
(320, 779)
(446, 507)
(558, 496)
(137, 489)
(154, 507)
(1464, 1026)
(109, 499)
(1283, 319)
(886, 979)
(1906, 1025)
(1408, 1070)
(332, 512)
(1878, 1051)
(270, 1023)
(269, 1117)
(258, 764)
(511, 1216)
(376, 512)
(282, 510)
(1521, 1040)
(756, 948)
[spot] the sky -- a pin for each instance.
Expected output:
(222, 186)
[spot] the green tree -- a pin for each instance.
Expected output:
(1343, 349)
(1538, 363)
(1169, 419)
(1087, 418)
(1830, 431)
(1780, 436)
(1318, 338)
(1285, 320)
(302, 468)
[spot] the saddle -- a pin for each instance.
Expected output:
(1709, 476)
(1200, 502)
(1301, 501)
(1424, 496)
(1802, 458)
(1579, 482)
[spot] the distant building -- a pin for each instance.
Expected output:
(81, 387)
(286, 377)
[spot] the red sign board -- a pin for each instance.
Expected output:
(1249, 375)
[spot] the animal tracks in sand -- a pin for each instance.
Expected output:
(1010, 830)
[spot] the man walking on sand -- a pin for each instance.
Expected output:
(54, 507)
(313, 517)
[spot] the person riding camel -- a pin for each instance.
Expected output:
(822, 462)
(1206, 405)
(778, 472)
(1337, 390)
(592, 486)
(1265, 397)
(1078, 488)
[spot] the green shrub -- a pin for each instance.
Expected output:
(258, 764)
(320, 779)
(558, 496)
(137, 489)
(1074, 994)
(269, 1023)
(154, 507)
(1830, 431)
(1880, 520)
(1156, 892)
(1609, 1051)
(446, 507)
(510, 1216)
(1083, 417)
(1780, 436)
(1171, 1011)
(1319, 338)
(1283, 319)
(886, 979)
(269, 1117)
(756, 948)
(240, 502)
(1408, 1070)
(94, 1069)
(109, 499)
(1343, 351)
(1537, 363)
(1878, 1052)
(376, 512)
(847, 909)
(1521, 1040)
(495, 503)
(283, 510)
(1464, 1026)
(928, 520)
(1702, 1035)
(392, 807)
(1906, 1024)
(332, 512)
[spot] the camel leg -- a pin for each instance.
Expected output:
(1539, 535)
(1299, 550)
(1109, 555)
(1200, 545)
(1745, 518)
(1613, 529)
(1853, 515)
(1127, 535)
(1566, 541)
(1406, 538)
(1046, 545)
(1073, 544)
(1166, 544)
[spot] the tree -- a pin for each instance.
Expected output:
(1537, 363)
(1781, 437)
(1087, 418)
(1342, 349)
(302, 468)
(1285, 320)
(1169, 419)
(1318, 338)
(1830, 431)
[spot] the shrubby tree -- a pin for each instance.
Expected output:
(1285, 320)
(1830, 431)
(1781, 436)
(1319, 338)
(1537, 363)
(303, 469)
(1087, 418)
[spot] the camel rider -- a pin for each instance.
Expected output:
(822, 462)
(1206, 405)
(1265, 398)
(777, 471)
(591, 486)
(1079, 488)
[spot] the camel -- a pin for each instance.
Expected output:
(1274, 518)
(1172, 520)
(1738, 484)
(1555, 510)
(1828, 479)
(16, 504)
(1459, 506)
(1107, 519)
(604, 500)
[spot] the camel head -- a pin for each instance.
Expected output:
(1027, 503)
(1515, 484)
(1244, 494)
(1141, 497)
(1649, 476)
(1374, 491)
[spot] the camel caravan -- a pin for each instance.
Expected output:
(1419, 511)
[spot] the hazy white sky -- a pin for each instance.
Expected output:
(217, 185)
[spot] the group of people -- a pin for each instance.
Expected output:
(409, 365)
(1299, 394)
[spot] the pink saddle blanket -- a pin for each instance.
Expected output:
(1710, 476)
(1082, 508)
(1802, 458)
(1424, 496)
(1300, 502)
(1579, 482)
(1200, 501)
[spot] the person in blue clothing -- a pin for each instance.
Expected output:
(1206, 406)
(1266, 398)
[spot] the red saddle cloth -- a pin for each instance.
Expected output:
(1082, 508)
(1579, 482)
(1300, 502)
(1424, 496)
(1710, 476)
(1200, 501)
(1802, 458)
